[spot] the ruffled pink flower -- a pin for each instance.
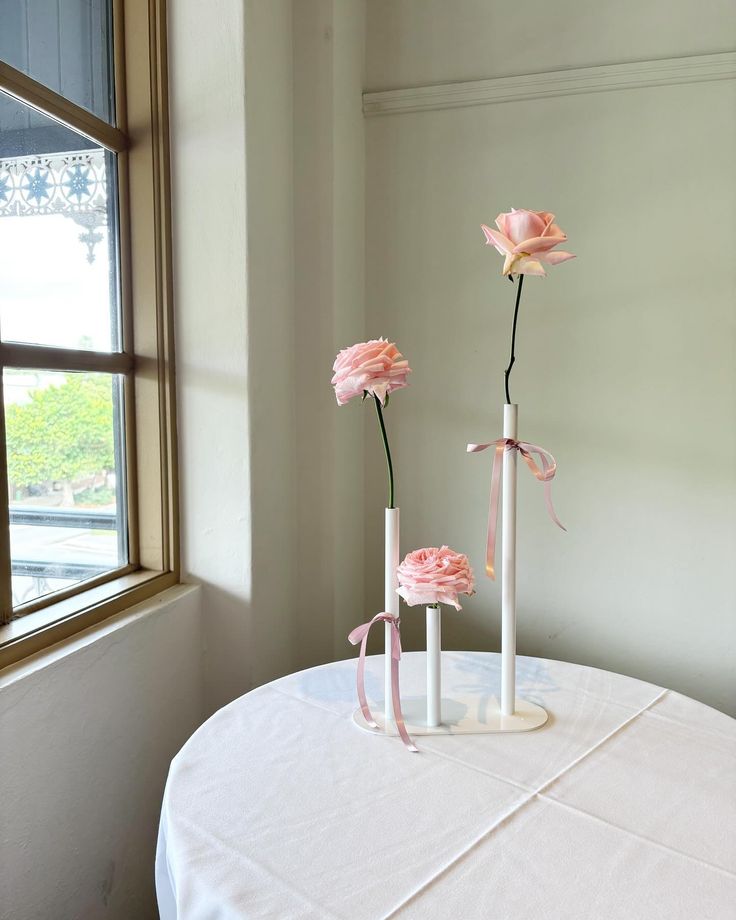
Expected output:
(435, 576)
(376, 367)
(526, 240)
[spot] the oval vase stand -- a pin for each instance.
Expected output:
(462, 715)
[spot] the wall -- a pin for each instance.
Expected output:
(268, 282)
(328, 315)
(87, 732)
(625, 356)
(418, 42)
(234, 412)
(282, 278)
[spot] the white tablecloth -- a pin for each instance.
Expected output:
(622, 806)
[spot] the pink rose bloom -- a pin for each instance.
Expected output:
(435, 576)
(376, 367)
(526, 239)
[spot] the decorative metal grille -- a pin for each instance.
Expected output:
(73, 184)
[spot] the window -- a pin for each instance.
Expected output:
(88, 511)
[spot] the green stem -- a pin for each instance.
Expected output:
(507, 372)
(390, 465)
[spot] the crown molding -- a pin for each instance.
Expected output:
(667, 72)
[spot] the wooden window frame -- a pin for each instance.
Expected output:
(140, 139)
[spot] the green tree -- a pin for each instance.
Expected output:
(63, 433)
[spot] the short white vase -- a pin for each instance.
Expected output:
(434, 666)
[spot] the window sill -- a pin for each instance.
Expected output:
(34, 632)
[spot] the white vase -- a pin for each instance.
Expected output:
(390, 601)
(434, 667)
(508, 563)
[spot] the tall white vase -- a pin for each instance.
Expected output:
(434, 667)
(390, 601)
(508, 563)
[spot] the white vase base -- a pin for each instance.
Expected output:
(463, 715)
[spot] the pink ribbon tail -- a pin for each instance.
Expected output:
(544, 470)
(360, 634)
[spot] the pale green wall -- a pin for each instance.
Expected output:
(415, 42)
(625, 367)
(623, 353)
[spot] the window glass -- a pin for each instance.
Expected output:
(58, 235)
(64, 44)
(65, 454)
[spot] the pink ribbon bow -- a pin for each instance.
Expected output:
(360, 634)
(544, 473)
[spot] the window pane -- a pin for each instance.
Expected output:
(66, 46)
(58, 234)
(66, 479)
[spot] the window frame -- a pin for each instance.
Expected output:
(140, 139)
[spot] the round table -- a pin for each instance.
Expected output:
(622, 806)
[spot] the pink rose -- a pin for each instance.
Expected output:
(435, 576)
(526, 239)
(376, 367)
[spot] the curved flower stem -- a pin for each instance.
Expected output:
(507, 372)
(390, 465)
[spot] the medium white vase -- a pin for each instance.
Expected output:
(390, 602)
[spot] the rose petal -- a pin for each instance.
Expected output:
(501, 224)
(529, 267)
(540, 244)
(523, 225)
(493, 238)
(554, 258)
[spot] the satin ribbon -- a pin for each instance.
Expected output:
(544, 471)
(360, 634)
